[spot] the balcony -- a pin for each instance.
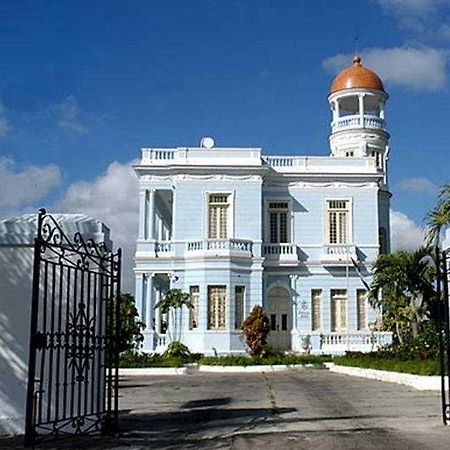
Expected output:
(280, 254)
(339, 254)
(220, 247)
(357, 121)
(163, 249)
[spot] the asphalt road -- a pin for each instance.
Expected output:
(304, 409)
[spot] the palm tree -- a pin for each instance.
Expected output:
(405, 279)
(173, 301)
(439, 217)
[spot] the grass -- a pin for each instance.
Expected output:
(417, 366)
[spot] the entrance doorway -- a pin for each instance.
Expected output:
(280, 316)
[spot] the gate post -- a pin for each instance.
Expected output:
(29, 429)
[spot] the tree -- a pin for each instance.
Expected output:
(439, 217)
(173, 301)
(256, 329)
(405, 280)
(130, 335)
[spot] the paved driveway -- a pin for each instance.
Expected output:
(304, 409)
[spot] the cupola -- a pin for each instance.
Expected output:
(358, 128)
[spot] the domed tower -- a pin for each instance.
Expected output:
(358, 128)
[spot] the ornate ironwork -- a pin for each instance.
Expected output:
(443, 290)
(73, 362)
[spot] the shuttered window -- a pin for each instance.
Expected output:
(338, 218)
(193, 312)
(218, 211)
(278, 216)
(361, 308)
(216, 307)
(316, 306)
(239, 298)
(338, 310)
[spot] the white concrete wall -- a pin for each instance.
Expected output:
(16, 267)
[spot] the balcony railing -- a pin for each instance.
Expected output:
(221, 246)
(374, 339)
(356, 121)
(281, 253)
(339, 253)
(163, 247)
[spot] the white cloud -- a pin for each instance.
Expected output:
(420, 185)
(21, 187)
(67, 115)
(405, 233)
(112, 198)
(416, 68)
(414, 15)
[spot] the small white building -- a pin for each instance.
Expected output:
(17, 236)
(295, 234)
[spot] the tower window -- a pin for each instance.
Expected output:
(349, 154)
(378, 158)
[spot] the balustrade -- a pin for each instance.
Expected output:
(356, 121)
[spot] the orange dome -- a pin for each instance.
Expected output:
(356, 76)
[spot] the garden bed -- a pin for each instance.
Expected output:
(144, 360)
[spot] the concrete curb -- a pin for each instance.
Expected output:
(419, 382)
(188, 370)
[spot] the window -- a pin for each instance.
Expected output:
(216, 307)
(193, 312)
(278, 222)
(349, 154)
(316, 300)
(378, 160)
(338, 310)
(361, 309)
(239, 299)
(338, 219)
(218, 212)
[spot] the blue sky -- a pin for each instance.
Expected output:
(85, 84)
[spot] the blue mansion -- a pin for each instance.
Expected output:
(295, 234)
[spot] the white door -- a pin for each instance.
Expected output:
(280, 317)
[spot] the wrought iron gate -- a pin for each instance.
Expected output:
(443, 289)
(73, 362)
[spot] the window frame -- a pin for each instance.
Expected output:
(225, 309)
(230, 213)
(339, 329)
(237, 326)
(289, 219)
(194, 312)
(326, 201)
(314, 326)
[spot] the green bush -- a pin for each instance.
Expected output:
(271, 360)
(177, 350)
(374, 361)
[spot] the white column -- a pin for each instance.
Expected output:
(139, 294)
(335, 111)
(142, 214)
(157, 313)
(293, 283)
(382, 110)
(151, 214)
(361, 109)
(149, 302)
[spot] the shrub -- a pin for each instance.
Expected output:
(256, 329)
(178, 350)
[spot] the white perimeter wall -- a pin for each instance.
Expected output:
(16, 267)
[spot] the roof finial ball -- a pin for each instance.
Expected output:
(357, 99)
(357, 60)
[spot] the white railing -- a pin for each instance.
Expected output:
(279, 250)
(158, 154)
(160, 342)
(281, 161)
(227, 245)
(376, 339)
(356, 121)
(163, 247)
(339, 252)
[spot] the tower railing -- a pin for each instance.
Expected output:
(357, 121)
